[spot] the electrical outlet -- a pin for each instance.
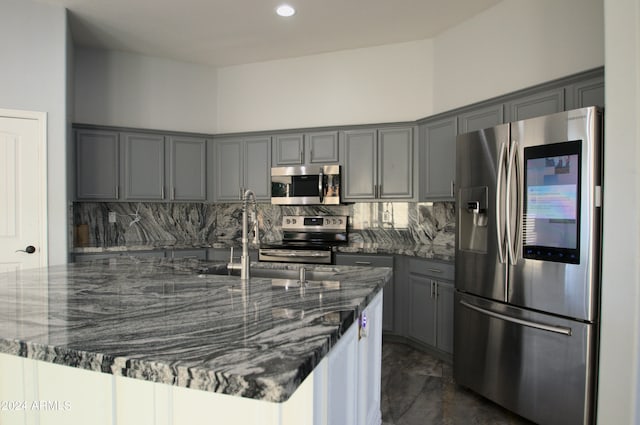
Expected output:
(112, 217)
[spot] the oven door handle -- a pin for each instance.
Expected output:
(279, 253)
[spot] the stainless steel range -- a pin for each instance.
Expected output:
(307, 239)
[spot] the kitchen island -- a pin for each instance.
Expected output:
(156, 341)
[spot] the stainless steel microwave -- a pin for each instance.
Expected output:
(306, 185)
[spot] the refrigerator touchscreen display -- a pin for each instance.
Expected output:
(552, 202)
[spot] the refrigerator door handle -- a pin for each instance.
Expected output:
(511, 250)
(549, 328)
(499, 236)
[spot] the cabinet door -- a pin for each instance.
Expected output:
(438, 159)
(369, 365)
(395, 163)
(536, 105)
(257, 175)
(586, 93)
(360, 171)
(322, 147)
(188, 162)
(389, 288)
(444, 337)
(144, 166)
(228, 170)
(288, 149)
(97, 160)
(477, 119)
(422, 309)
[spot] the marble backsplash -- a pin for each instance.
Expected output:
(139, 223)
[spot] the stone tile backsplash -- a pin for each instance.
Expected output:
(146, 222)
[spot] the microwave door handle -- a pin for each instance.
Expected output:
(321, 186)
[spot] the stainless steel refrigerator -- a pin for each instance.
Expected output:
(528, 242)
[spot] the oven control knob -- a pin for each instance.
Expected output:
(288, 221)
(339, 221)
(293, 221)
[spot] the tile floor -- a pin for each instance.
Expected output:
(418, 389)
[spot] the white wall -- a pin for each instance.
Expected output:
(619, 389)
(379, 84)
(33, 77)
(124, 89)
(513, 45)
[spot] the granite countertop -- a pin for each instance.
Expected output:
(163, 321)
(429, 251)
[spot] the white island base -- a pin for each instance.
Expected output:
(343, 389)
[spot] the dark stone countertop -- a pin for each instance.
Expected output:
(164, 321)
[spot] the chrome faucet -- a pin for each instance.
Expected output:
(244, 259)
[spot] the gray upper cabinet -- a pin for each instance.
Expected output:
(144, 166)
(305, 148)
(479, 118)
(360, 174)
(395, 163)
(188, 168)
(288, 149)
(322, 147)
(228, 171)
(241, 164)
(257, 173)
(378, 164)
(535, 105)
(97, 165)
(437, 159)
(586, 93)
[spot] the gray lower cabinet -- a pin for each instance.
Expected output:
(97, 164)
(437, 146)
(430, 303)
(193, 253)
(143, 156)
(306, 148)
(239, 164)
(389, 289)
(82, 258)
(378, 164)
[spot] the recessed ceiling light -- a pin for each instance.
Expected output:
(285, 10)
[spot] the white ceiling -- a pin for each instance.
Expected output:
(231, 32)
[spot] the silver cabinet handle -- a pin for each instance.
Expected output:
(550, 328)
(363, 263)
(173, 193)
(162, 193)
(452, 189)
(117, 192)
(434, 270)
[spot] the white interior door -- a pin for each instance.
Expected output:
(23, 196)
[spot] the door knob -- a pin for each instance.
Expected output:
(29, 250)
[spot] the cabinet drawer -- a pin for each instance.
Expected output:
(434, 269)
(364, 260)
